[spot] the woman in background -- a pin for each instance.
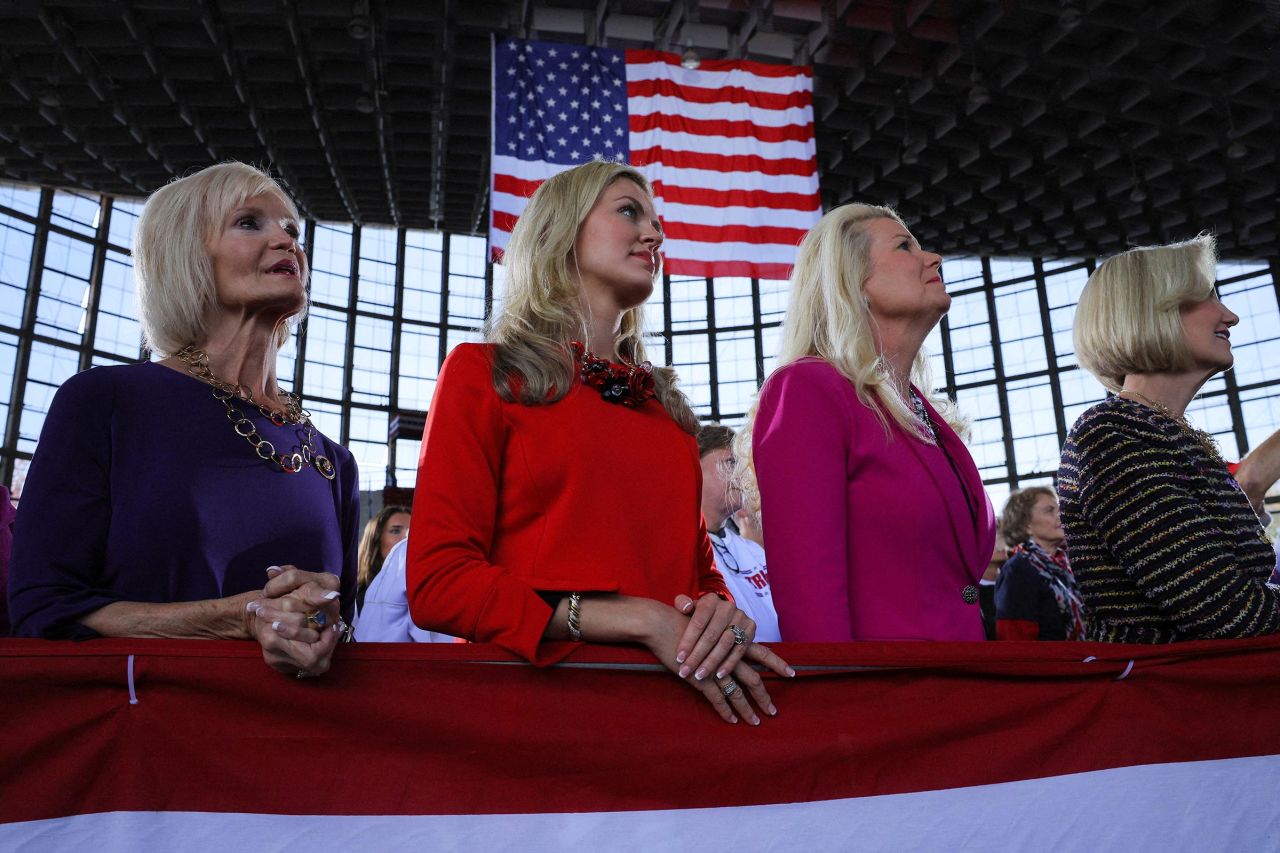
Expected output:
(381, 533)
(1163, 542)
(875, 519)
(1036, 595)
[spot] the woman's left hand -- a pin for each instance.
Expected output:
(716, 638)
(297, 621)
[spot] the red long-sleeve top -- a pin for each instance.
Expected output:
(580, 495)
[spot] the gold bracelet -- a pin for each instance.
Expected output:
(575, 616)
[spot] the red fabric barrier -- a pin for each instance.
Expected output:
(466, 729)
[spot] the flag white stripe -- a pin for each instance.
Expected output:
(736, 79)
(643, 105)
(676, 141)
(1205, 805)
(757, 253)
(697, 214)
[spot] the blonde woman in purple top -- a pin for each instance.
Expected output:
(202, 501)
(875, 519)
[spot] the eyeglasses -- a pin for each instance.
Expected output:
(724, 556)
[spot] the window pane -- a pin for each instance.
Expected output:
(326, 353)
(736, 371)
(970, 338)
(688, 303)
(773, 300)
(407, 450)
(986, 443)
(376, 290)
(1255, 342)
(369, 446)
(50, 366)
(1021, 338)
(21, 198)
(8, 358)
(371, 371)
(419, 363)
(1035, 429)
(733, 302)
(118, 329)
(331, 265)
(124, 218)
(77, 210)
(16, 239)
(64, 288)
(423, 251)
(691, 360)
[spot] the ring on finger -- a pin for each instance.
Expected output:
(729, 688)
(317, 619)
(739, 635)
(302, 673)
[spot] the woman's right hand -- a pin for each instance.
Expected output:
(666, 627)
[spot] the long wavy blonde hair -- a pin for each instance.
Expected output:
(828, 317)
(543, 306)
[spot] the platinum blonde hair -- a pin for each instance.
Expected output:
(828, 317)
(171, 264)
(1128, 319)
(542, 309)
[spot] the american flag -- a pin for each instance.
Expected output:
(728, 146)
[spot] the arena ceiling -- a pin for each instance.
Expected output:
(995, 126)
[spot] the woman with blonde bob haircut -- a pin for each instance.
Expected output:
(559, 489)
(1163, 542)
(875, 520)
(259, 511)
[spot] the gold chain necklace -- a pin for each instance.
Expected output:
(197, 361)
(1206, 441)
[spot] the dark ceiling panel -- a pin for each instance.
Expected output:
(1050, 127)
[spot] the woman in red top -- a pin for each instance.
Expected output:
(559, 491)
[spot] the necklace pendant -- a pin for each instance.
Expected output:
(323, 465)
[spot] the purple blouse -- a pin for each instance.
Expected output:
(140, 490)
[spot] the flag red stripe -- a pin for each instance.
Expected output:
(733, 233)
(215, 729)
(720, 127)
(723, 162)
(504, 221)
(716, 269)
(762, 69)
(676, 194)
(725, 95)
(511, 185)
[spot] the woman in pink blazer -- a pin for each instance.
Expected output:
(876, 523)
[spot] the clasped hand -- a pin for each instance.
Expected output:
(292, 643)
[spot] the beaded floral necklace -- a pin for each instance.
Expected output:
(628, 384)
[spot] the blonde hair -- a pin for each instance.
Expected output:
(1128, 319)
(171, 264)
(542, 310)
(828, 317)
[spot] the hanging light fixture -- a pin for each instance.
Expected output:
(690, 59)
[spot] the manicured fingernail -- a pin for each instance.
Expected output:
(272, 571)
(791, 673)
(755, 721)
(331, 595)
(684, 672)
(720, 674)
(680, 657)
(773, 712)
(337, 626)
(253, 606)
(733, 720)
(687, 607)
(276, 625)
(700, 674)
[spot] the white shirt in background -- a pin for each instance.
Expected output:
(741, 561)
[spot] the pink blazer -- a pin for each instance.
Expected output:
(867, 535)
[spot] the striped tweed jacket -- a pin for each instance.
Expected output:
(1163, 543)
